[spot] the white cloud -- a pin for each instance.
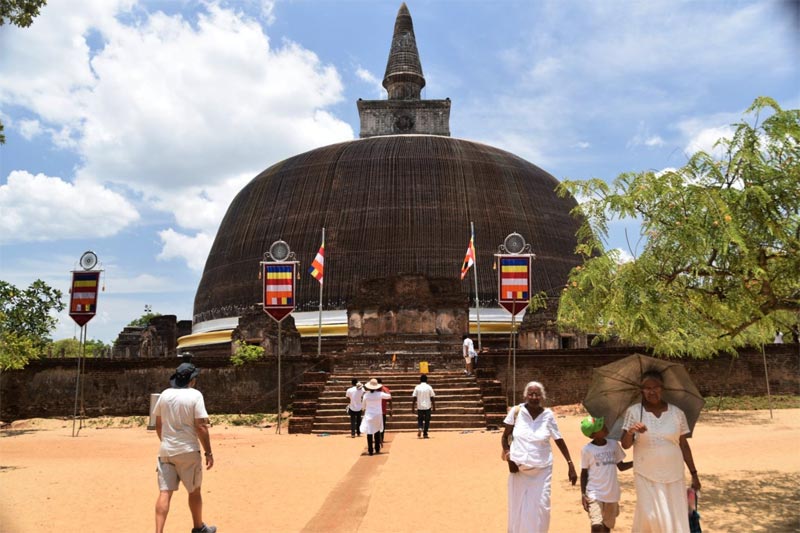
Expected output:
(372, 80)
(622, 256)
(29, 128)
(704, 138)
(192, 249)
(44, 208)
(644, 137)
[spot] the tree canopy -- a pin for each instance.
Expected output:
(720, 264)
(19, 13)
(26, 320)
(144, 320)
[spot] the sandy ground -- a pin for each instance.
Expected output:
(104, 480)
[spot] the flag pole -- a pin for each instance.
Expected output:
(475, 274)
(319, 328)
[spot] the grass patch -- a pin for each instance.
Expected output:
(254, 419)
(751, 403)
(102, 422)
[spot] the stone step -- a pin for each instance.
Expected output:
(440, 411)
(473, 422)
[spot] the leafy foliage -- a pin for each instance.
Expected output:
(72, 348)
(246, 353)
(144, 320)
(720, 267)
(26, 320)
(20, 12)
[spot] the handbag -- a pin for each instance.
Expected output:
(694, 517)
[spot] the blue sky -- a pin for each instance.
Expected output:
(131, 125)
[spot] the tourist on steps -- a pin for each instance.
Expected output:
(354, 395)
(386, 406)
(423, 403)
(372, 423)
(469, 353)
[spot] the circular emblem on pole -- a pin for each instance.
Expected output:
(279, 251)
(514, 243)
(88, 260)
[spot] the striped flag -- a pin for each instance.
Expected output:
(469, 259)
(279, 287)
(514, 276)
(83, 296)
(317, 268)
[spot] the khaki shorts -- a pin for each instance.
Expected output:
(603, 513)
(186, 467)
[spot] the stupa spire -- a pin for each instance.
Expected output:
(403, 79)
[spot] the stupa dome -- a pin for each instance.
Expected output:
(389, 204)
(399, 200)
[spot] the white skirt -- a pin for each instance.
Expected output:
(371, 423)
(529, 500)
(660, 507)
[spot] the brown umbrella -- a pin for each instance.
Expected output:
(616, 386)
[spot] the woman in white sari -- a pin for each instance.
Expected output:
(530, 461)
(372, 423)
(657, 431)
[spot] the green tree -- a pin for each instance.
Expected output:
(720, 264)
(19, 13)
(144, 320)
(245, 353)
(72, 348)
(26, 320)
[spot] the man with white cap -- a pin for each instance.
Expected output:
(182, 426)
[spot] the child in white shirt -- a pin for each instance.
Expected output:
(600, 460)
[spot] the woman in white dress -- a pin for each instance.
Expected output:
(530, 461)
(657, 431)
(372, 423)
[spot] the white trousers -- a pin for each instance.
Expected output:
(529, 500)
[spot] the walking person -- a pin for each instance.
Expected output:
(354, 394)
(423, 403)
(468, 352)
(526, 448)
(372, 423)
(600, 460)
(182, 427)
(658, 432)
(386, 406)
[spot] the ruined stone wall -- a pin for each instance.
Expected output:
(567, 376)
(46, 388)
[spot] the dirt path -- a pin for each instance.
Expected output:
(104, 480)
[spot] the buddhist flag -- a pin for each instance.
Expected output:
(279, 289)
(469, 259)
(83, 296)
(514, 283)
(317, 268)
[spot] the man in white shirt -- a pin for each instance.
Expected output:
(182, 426)
(469, 353)
(424, 404)
(354, 408)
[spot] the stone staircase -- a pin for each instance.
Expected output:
(462, 402)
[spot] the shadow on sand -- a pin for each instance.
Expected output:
(768, 498)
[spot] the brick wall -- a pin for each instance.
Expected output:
(567, 376)
(46, 388)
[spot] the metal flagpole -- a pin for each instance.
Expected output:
(280, 410)
(514, 348)
(475, 273)
(319, 329)
(77, 387)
